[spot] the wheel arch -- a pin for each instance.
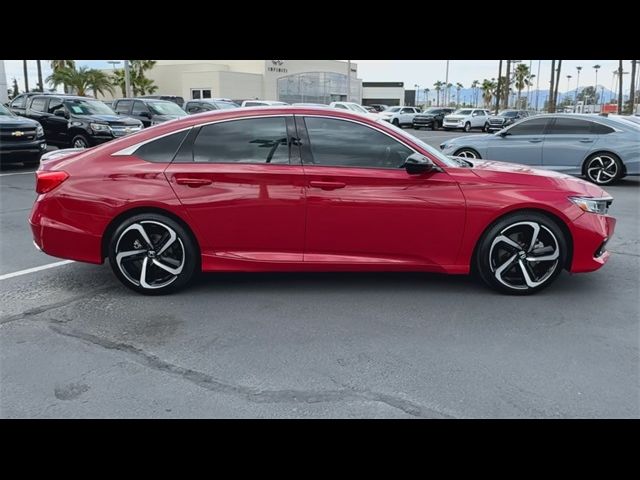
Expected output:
(561, 222)
(113, 224)
(457, 150)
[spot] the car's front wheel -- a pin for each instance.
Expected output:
(153, 254)
(603, 168)
(80, 141)
(467, 127)
(521, 254)
(467, 153)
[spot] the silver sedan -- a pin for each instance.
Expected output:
(602, 149)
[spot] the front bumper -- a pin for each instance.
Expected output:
(15, 149)
(590, 233)
(423, 122)
(453, 124)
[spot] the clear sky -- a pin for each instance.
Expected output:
(422, 72)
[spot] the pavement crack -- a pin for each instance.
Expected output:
(254, 395)
(51, 306)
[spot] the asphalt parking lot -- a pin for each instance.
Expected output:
(74, 343)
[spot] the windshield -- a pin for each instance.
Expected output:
(508, 114)
(225, 105)
(462, 112)
(393, 109)
(356, 108)
(4, 110)
(166, 108)
(88, 107)
(435, 152)
(432, 110)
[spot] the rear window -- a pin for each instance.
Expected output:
(38, 103)
(163, 149)
(123, 106)
(600, 129)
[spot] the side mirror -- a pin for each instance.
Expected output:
(60, 113)
(145, 114)
(416, 164)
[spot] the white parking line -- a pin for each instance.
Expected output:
(34, 269)
(16, 173)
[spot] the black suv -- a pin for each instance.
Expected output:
(21, 139)
(148, 111)
(79, 122)
(505, 118)
(431, 118)
(208, 104)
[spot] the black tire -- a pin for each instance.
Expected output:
(603, 168)
(416, 127)
(434, 125)
(80, 141)
(486, 128)
(468, 153)
(181, 254)
(501, 265)
(467, 127)
(396, 122)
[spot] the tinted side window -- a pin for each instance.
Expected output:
(19, 101)
(347, 144)
(570, 126)
(252, 104)
(480, 113)
(54, 104)
(38, 104)
(535, 126)
(600, 129)
(407, 110)
(138, 108)
(162, 149)
(254, 140)
(123, 106)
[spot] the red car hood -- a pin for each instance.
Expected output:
(517, 174)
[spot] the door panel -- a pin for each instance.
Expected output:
(382, 216)
(567, 143)
(245, 211)
(525, 149)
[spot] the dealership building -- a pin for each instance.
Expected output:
(291, 81)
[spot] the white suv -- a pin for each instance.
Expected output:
(400, 116)
(354, 107)
(467, 118)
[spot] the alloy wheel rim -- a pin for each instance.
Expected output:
(524, 255)
(602, 169)
(79, 143)
(150, 254)
(466, 154)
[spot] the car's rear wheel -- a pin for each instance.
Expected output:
(485, 128)
(80, 141)
(467, 153)
(396, 122)
(153, 254)
(434, 125)
(467, 127)
(522, 253)
(603, 168)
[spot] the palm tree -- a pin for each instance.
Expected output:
(505, 100)
(438, 86)
(99, 82)
(426, 96)
(62, 64)
(487, 88)
(522, 79)
(143, 86)
(458, 87)
(474, 85)
(448, 90)
(555, 91)
(620, 87)
(550, 106)
(632, 93)
(40, 85)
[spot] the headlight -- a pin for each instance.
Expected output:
(593, 205)
(39, 131)
(99, 127)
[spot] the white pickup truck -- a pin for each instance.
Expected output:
(467, 118)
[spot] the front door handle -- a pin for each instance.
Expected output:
(586, 140)
(535, 140)
(193, 182)
(326, 185)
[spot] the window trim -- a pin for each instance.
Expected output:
(147, 109)
(305, 149)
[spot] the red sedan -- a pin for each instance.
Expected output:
(312, 189)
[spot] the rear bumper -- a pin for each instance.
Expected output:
(62, 236)
(590, 233)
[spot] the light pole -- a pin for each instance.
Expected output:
(417, 87)
(595, 89)
(577, 83)
(348, 80)
(538, 84)
(446, 82)
(127, 79)
(569, 77)
(114, 63)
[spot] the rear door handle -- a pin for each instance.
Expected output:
(535, 140)
(326, 185)
(193, 182)
(586, 140)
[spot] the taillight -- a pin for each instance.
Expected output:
(47, 181)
